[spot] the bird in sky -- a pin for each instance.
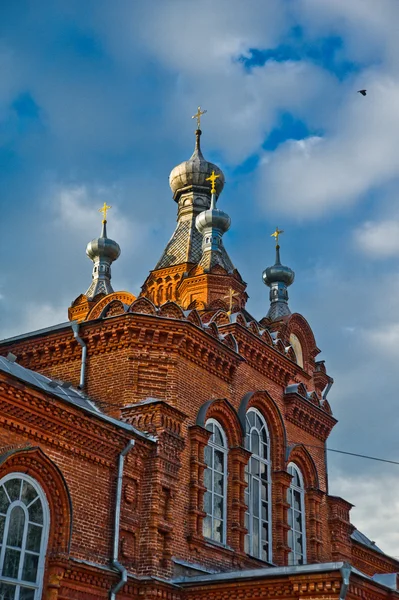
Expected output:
(362, 92)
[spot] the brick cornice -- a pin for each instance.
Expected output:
(308, 416)
(43, 419)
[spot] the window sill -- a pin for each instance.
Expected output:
(209, 542)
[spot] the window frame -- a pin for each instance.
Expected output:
(225, 450)
(38, 585)
(268, 483)
(291, 509)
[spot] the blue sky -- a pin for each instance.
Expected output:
(95, 104)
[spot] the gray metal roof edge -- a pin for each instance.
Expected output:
(372, 580)
(37, 332)
(94, 413)
(257, 573)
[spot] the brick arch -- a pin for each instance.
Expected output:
(222, 411)
(115, 307)
(144, 306)
(270, 411)
(300, 455)
(96, 311)
(34, 462)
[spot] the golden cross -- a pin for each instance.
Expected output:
(198, 116)
(104, 211)
(276, 234)
(212, 178)
(230, 296)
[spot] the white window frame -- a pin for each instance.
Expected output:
(292, 510)
(38, 587)
(268, 483)
(225, 451)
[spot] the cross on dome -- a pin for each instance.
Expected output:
(198, 116)
(276, 234)
(212, 178)
(104, 211)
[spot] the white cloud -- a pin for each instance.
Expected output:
(357, 154)
(76, 210)
(36, 316)
(376, 510)
(378, 239)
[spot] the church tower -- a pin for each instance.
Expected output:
(195, 270)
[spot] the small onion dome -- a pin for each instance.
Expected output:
(194, 172)
(278, 273)
(103, 247)
(212, 219)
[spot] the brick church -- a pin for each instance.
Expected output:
(170, 445)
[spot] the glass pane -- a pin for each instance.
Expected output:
(290, 539)
(208, 503)
(28, 493)
(264, 515)
(36, 512)
(246, 544)
(218, 507)
(16, 527)
(297, 521)
(251, 418)
(219, 462)
(255, 537)
(291, 558)
(255, 498)
(2, 524)
(264, 439)
(290, 517)
(217, 530)
(255, 443)
(209, 427)
(13, 487)
(34, 538)
(208, 455)
(299, 560)
(218, 483)
(3, 501)
(29, 572)
(297, 500)
(265, 532)
(298, 543)
(7, 592)
(11, 563)
(208, 479)
(207, 527)
(254, 466)
(218, 439)
(265, 491)
(265, 552)
(26, 594)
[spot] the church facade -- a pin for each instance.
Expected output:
(170, 445)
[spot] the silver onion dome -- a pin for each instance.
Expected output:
(278, 277)
(194, 172)
(102, 251)
(213, 219)
(278, 272)
(103, 247)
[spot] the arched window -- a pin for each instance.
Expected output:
(297, 348)
(296, 517)
(24, 525)
(215, 481)
(258, 540)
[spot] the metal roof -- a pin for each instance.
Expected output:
(260, 573)
(358, 536)
(63, 391)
